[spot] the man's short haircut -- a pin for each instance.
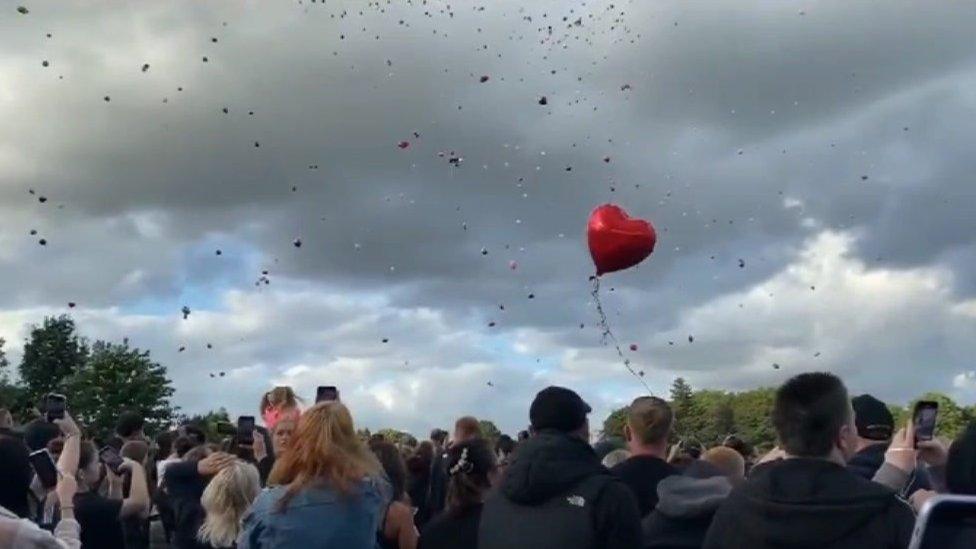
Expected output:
(650, 419)
(39, 432)
(129, 424)
(468, 427)
(184, 444)
(195, 432)
(808, 412)
(438, 436)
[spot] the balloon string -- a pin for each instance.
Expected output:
(607, 335)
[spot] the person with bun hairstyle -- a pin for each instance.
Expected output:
(472, 472)
(280, 411)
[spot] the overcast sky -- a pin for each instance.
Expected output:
(808, 166)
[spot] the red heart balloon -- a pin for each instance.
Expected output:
(616, 240)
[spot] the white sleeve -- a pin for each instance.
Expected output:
(30, 536)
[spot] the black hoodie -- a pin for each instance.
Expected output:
(810, 503)
(555, 494)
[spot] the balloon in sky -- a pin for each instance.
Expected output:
(618, 241)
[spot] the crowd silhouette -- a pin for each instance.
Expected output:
(842, 475)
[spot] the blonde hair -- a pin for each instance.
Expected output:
(650, 419)
(728, 461)
(324, 449)
(225, 500)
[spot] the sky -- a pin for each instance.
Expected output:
(807, 167)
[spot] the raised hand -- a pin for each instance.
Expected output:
(212, 464)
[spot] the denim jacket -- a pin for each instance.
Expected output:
(316, 517)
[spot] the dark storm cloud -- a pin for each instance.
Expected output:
(741, 131)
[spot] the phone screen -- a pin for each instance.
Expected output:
(111, 458)
(54, 405)
(326, 392)
(47, 471)
(245, 429)
(924, 419)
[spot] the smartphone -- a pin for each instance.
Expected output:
(923, 417)
(111, 458)
(245, 430)
(47, 471)
(326, 392)
(945, 522)
(54, 406)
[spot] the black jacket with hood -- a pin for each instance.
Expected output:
(555, 494)
(810, 503)
(686, 505)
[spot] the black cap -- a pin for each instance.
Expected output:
(558, 408)
(872, 417)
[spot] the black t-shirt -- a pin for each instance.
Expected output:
(99, 520)
(641, 474)
(452, 531)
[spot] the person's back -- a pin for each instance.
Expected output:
(875, 427)
(688, 502)
(555, 493)
(649, 423)
(810, 499)
(315, 518)
(329, 489)
(810, 503)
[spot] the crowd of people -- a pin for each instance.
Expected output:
(843, 475)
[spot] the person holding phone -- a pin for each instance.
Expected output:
(15, 474)
(100, 516)
(875, 429)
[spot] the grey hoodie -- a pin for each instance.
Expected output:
(684, 511)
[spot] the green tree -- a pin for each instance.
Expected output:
(899, 414)
(488, 430)
(683, 406)
(117, 378)
(397, 437)
(52, 353)
(208, 422)
(753, 416)
(4, 363)
(13, 396)
(723, 422)
(613, 425)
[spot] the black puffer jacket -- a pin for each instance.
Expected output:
(555, 494)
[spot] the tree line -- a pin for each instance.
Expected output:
(709, 416)
(101, 379)
(104, 379)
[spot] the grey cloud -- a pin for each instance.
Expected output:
(150, 187)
